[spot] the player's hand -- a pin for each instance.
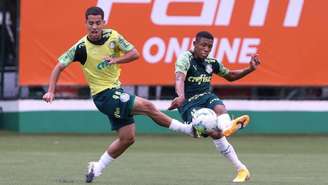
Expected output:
(110, 60)
(255, 61)
(176, 102)
(48, 97)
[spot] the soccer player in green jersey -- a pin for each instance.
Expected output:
(194, 70)
(100, 52)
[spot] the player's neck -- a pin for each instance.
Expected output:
(98, 41)
(198, 58)
(94, 39)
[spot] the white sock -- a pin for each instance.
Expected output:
(224, 121)
(177, 126)
(225, 148)
(103, 162)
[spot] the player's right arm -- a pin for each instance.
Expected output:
(181, 69)
(179, 89)
(75, 53)
(50, 95)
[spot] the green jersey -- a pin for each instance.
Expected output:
(198, 73)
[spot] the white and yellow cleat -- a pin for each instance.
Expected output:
(92, 172)
(238, 123)
(243, 175)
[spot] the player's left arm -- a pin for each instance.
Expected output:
(130, 52)
(126, 58)
(233, 75)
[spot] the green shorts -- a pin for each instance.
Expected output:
(117, 105)
(206, 100)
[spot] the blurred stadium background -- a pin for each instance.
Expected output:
(287, 94)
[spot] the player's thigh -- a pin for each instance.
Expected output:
(216, 104)
(118, 123)
(220, 109)
(117, 105)
(187, 110)
(143, 106)
(114, 103)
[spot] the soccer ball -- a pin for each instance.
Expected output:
(206, 118)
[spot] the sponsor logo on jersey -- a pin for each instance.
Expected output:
(199, 79)
(102, 65)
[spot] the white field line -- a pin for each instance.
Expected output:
(232, 105)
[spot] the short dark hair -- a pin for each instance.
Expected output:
(204, 34)
(94, 10)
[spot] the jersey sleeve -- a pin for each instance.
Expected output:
(76, 53)
(123, 44)
(220, 69)
(182, 64)
(68, 56)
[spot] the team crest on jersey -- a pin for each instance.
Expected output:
(112, 45)
(124, 97)
(209, 68)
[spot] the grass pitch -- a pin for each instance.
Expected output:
(162, 160)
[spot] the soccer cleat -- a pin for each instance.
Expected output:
(198, 130)
(242, 176)
(238, 123)
(90, 173)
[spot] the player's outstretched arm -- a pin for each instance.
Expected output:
(238, 74)
(50, 95)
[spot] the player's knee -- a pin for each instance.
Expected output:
(128, 140)
(220, 109)
(149, 107)
(216, 134)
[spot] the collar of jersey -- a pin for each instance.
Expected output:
(100, 41)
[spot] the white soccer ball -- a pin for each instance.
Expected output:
(205, 117)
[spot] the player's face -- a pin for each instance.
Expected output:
(95, 24)
(202, 47)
